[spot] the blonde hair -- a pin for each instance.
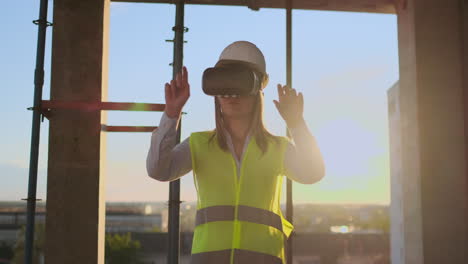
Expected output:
(257, 126)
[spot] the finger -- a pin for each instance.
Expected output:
(167, 92)
(286, 90)
(178, 81)
(185, 74)
(280, 92)
(173, 88)
(185, 89)
(277, 104)
(293, 91)
(301, 100)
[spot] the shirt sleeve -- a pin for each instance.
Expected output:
(166, 160)
(303, 161)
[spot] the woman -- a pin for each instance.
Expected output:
(238, 167)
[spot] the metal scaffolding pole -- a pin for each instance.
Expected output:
(44, 107)
(289, 202)
(35, 134)
(174, 186)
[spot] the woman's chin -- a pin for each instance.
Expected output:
(237, 115)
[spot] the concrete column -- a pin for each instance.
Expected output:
(397, 242)
(75, 183)
(434, 159)
(464, 14)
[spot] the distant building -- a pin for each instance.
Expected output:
(120, 222)
(11, 222)
(120, 218)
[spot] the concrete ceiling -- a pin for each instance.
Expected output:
(369, 6)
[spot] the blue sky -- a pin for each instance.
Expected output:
(343, 62)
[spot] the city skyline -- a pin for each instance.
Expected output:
(344, 75)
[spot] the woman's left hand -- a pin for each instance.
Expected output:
(290, 105)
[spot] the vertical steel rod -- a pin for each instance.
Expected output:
(289, 202)
(174, 187)
(35, 134)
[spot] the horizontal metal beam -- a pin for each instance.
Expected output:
(128, 128)
(93, 106)
(367, 6)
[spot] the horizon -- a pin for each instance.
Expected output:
(194, 202)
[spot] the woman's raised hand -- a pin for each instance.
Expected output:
(290, 105)
(177, 94)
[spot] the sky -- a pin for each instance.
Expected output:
(343, 63)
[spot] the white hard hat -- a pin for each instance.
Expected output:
(244, 51)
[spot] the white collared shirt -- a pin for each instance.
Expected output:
(168, 161)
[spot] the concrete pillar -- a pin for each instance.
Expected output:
(397, 243)
(464, 13)
(433, 135)
(75, 183)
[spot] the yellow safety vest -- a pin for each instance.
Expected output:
(238, 221)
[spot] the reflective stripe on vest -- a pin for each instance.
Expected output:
(245, 213)
(240, 257)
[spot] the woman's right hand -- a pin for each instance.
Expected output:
(177, 94)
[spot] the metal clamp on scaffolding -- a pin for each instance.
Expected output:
(30, 199)
(43, 112)
(42, 22)
(180, 29)
(46, 107)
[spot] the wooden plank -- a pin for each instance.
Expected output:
(368, 6)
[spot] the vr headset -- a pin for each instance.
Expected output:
(231, 80)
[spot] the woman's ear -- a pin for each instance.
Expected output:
(265, 81)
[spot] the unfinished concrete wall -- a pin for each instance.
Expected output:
(434, 162)
(464, 15)
(75, 184)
